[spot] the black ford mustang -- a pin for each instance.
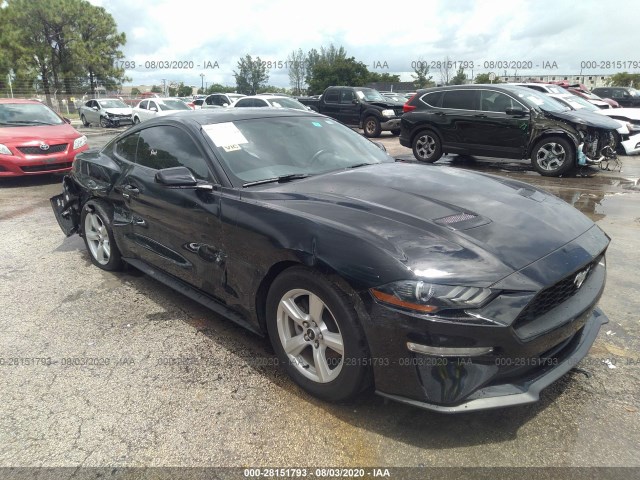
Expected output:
(449, 290)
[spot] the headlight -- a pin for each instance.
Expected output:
(388, 113)
(4, 150)
(79, 142)
(430, 297)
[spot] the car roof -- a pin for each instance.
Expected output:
(270, 97)
(219, 115)
(19, 100)
(504, 87)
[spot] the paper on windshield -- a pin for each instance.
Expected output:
(225, 135)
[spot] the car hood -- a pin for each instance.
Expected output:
(630, 113)
(585, 117)
(453, 224)
(119, 111)
(388, 104)
(38, 134)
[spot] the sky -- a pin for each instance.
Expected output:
(521, 37)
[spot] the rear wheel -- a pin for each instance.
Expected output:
(553, 156)
(316, 335)
(98, 236)
(427, 146)
(371, 127)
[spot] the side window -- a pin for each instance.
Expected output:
(615, 93)
(209, 100)
(495, 101)
(461, 99)
(243, 103)
(143, 105)
(153, 105)
(347, 96)
(332, 96)
(126, 148)
(166, 147)
(220, 100)
(434, 99)
(259, 102)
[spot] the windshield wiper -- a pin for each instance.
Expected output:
(280, 179)
(27, 122)
(360, 165)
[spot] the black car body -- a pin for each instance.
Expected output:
(359, 107)
(449, 302)
(506, 122)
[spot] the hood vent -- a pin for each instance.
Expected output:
(462, 221)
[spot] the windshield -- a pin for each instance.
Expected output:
(234, 96)
(579, 102)
(265, 148)
(541, 100)
(17, 114)
(284, 102)
(173, 105)
(370, 95)
(112, 104)
(397, 98)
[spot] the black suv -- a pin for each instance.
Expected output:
(506, 122)
(625, 96)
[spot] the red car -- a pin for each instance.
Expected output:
(35, 140)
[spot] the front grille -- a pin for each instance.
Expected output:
(551, 297)
(46, 168)
(61, 147)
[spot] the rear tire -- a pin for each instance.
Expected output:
(427, 146)
(553, 157)
(98, 236)
(317, 336)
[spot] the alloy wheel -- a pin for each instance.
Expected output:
(310, 336)
(551, 156)
(97, 238)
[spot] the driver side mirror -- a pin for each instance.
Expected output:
(517, 112)
(180, 177)
(153, 109)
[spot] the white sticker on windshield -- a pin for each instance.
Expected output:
(360, 95)
(225, 135)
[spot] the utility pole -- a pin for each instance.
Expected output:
(10, 87)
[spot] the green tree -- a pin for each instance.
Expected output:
(383, 77)
(347, 71)
(135, 91)
(68, 44)
(624, 79)
(421, 77)
(156, 89)
(218, 88)
(459, 78)
(484, 78)
(251, 75)
(297, 71)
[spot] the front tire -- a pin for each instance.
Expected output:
(98, 236)
(552, 157)
(371, 127)
(104, 123)
(317, 336)
(83, 119)
(136, 120)
(427, 146)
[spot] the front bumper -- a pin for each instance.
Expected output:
(19, 165)
(392, 124)
(528, 338)
(117, 121)
(520, 391)
(632, 145)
